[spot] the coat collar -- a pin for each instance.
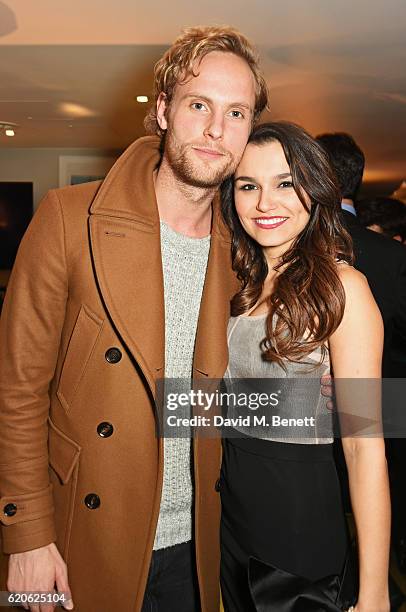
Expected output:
(128, 190)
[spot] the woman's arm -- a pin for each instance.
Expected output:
(356, 353)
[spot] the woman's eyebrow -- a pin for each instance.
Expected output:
(250, 178)
(244, 178)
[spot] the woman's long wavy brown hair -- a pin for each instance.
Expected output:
(307, 303)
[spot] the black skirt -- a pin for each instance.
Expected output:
(281, 503)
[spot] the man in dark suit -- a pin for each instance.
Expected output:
(383, 262)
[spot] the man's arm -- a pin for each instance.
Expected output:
(30, 331)
(400, 319)
(39, 570)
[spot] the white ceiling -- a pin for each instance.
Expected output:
(331, 65)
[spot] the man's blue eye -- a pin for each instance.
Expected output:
(237, 114)
(198, 105)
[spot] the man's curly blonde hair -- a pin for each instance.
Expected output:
(180, 61)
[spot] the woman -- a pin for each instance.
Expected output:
(301, 309)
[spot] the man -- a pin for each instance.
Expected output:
(117, 284)
(385, 216)
(383, 262)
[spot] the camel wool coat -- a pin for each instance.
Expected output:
(81, 347)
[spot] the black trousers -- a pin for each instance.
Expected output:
(172, 584)
(281, 504)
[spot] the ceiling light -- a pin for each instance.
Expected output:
(8, 127)
(76, 110)
(142, 99)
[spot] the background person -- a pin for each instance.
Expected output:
(382, 262)
(385, 216)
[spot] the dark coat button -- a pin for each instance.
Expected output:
(113, 355)
(10, 509)
(217, 485)
(105, 429)
(92, 501)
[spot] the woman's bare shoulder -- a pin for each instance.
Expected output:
(360, 305)
(351, 278)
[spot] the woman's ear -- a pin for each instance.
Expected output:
(161, 108)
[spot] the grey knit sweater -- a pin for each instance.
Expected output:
(184, 262)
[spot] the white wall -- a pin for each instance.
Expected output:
(40, 166)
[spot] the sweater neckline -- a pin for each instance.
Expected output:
(178, 239)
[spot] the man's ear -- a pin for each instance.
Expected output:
(161, 108)
(375, 228)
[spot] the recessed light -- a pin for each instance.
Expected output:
(29, 117)
(8, 128)
(142, 99)
(73, 110)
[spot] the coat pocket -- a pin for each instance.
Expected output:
(81, 345)
(64, 465)
(63, 453)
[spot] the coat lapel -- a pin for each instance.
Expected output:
(211, 354)
(125, 244)
(210, 362)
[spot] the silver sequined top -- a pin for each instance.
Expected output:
(298, 387)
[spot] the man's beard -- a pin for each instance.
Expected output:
(194, 172)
